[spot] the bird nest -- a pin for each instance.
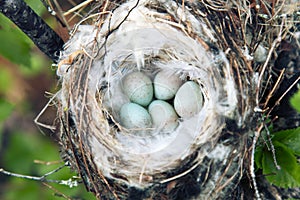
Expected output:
(212, 44)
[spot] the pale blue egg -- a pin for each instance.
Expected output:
(188, 99)
(134, 116)
(138, 87)
(163, 116)
(166, 85)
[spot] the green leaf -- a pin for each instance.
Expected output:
(295, 101)
(258, 156)
(37, 6)
(6, 108)
(290, 138)
(15, 45)
(5, 80)
(289, 174)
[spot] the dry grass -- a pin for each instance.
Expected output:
(218, 41)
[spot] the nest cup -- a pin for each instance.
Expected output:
(91, 98)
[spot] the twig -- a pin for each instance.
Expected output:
(274, 44)
(252, 171)
(70, 182)
(47, 162)
(57, 192)
(274, 88)
(53, 171)
(50, 127)
(272, 148)
(79, 6)
(60, 12)
(180, 175)
(52, 12)
(283, 95)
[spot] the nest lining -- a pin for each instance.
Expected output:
(143, 42)
(118, 43)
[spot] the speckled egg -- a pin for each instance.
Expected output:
(166, 85)
(163, 116)
(134, 116)
(138, 87)
(188, 99)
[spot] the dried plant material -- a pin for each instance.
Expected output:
(213, 44)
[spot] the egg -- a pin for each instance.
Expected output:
(188, 99)
(138, 87)
(166, 85)
(134, 116)
(163, 116)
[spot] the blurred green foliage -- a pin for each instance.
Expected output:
(6, 108)
(25, 147)
(21, 144)
(5, 82)
(15, 46)
(295, 101)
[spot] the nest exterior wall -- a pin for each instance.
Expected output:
(131, 43)
(204, 41)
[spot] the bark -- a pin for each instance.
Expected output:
(33, 26)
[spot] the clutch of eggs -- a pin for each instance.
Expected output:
(160, 115)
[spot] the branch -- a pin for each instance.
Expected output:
(70, 182)
(33, 26)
